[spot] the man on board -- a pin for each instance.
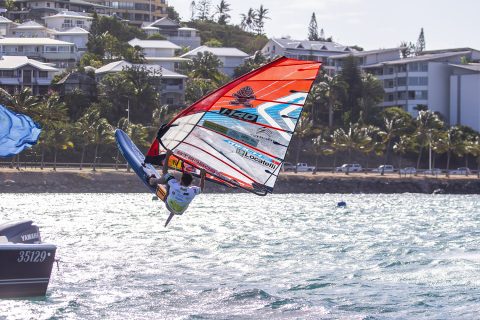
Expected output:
(176, 195)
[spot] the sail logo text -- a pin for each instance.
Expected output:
(253, 156)
(250, 117)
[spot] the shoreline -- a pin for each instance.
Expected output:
(121, 181)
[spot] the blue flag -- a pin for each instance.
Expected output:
(17, 132)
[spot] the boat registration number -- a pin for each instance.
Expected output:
(32, 256)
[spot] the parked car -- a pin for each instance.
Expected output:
(434, 171)
(287, 166)
(350, 167)
(408, 170)
(303, 167)
(388, 168)
(461, 170)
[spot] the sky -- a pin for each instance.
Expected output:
(371, 24)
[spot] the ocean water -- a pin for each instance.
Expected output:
(404, 256)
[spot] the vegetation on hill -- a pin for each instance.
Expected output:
(229, 35)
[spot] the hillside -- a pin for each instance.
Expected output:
(229, 36)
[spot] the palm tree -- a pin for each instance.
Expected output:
(222, 10)
(102, 133)
(21, 102)
(391, 128)
(401, 147)
(450, 142)
(375, 144)
(320, 147)
(52, 114)
(123, 124)
(474, 149)
(260, 16)
(426, 122)
(248, 19)
(353, 139)
(302, 130)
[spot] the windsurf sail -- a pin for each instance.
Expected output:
(240, 133)
(17, 132)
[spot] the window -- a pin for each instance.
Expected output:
(63, 49)
(413, 67)
(417, 81)
(42, 74)
(7, 74)
(418, 95)
(402, 81)
(51, 49)
(48, 4)
(402, 68)
(80, 23)
(424, 66)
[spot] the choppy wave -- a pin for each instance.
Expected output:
(405, 256)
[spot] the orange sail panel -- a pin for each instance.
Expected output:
(240, 133)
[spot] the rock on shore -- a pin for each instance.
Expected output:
(12, 181)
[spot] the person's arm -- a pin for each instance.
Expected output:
(202, 181)
(165, 162)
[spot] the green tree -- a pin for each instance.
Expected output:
(402, 146)
(250, 64)
(371, 95)
(203, 9)
(197, 88)
(84, 131)
(407, 49)
(302, 131)
(327, 94)
(313, 29)
(421, 45)
(205, 65)
(134, 55)
(449, 141)
(213, 43)
(172, 14)
(352, 76)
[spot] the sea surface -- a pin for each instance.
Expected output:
(240, 256)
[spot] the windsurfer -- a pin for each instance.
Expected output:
(176, 195)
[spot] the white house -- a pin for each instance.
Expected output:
(75, 35)
(171, 86)
(62, 54)
(29, 29)
(230, 57)
(305, 50)
(170, 29)
(18, 72)
(68, 19)
(5, 26)
(155, 48)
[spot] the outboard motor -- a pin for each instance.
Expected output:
(23, 231)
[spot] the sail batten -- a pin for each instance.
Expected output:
(240, 133)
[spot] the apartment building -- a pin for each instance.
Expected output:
(18, 72)
(68, 19)
(60, 53)
(230, 57)
(421, 80)
(464, 95)
(171, 86)
(364, 58)
(36, 9)
(172, 31)
(136, 12)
